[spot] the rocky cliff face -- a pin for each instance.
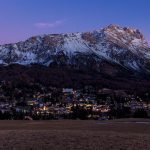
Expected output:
(120, 46)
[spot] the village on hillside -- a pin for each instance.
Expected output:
(52, 103)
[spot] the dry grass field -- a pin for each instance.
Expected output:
(127, 134)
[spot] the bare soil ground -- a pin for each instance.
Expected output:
(126, 134)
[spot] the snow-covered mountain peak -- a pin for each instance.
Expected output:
(126, 37)
(120, 45)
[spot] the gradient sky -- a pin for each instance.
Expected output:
(20, 19)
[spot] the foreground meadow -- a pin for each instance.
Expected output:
(75, 135)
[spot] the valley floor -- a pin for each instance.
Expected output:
(126, 134)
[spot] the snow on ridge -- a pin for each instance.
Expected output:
(109, 43)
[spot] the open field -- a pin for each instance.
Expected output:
(125, 134)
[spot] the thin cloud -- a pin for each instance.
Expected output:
(49, 24)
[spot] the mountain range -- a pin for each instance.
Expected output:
(112, 52)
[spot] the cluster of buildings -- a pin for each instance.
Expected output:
(69, 101)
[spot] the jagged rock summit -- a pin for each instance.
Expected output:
(121, 46)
